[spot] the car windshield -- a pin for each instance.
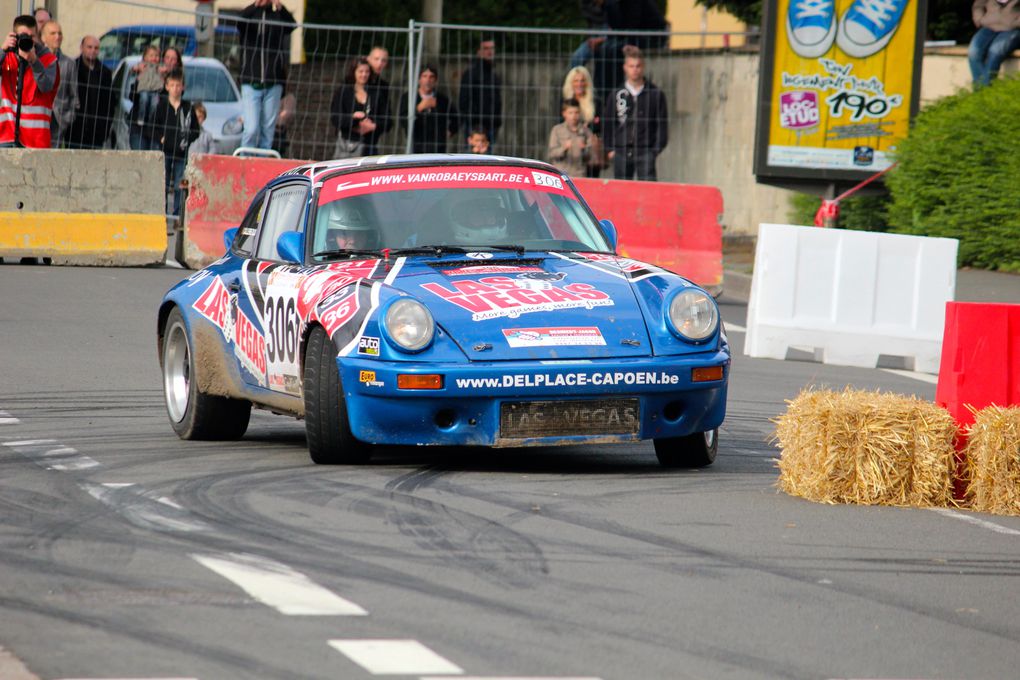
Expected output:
(207, 84)
(462, 208)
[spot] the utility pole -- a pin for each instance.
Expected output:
(433, 13)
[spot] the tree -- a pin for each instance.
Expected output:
(471, 12)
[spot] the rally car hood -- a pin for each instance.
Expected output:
(537, 306)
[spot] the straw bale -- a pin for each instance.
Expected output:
(866, 447)
(992, 461)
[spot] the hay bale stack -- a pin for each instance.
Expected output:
(866, 447)
(992, 461)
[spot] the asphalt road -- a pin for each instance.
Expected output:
(127, 553)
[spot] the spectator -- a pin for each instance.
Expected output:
(29, 127)
(378, 58)
(578, 85)
(353, 111)
(205, 142)
(170, 61)
(435, 119)
(594, 13)
(480, 102)
(570, 141)
(145, 95)
(288, 110)
(264, 28)
(42, 15)
(66, 102)
(637, 130)
(629, 19)
(92, 121)
(478, 141)
(175, 126)
(998, 34)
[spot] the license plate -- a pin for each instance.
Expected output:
(522, 419)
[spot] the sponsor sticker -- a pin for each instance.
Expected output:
(479, 256)
(553, 337)
(490, 269)
(544, 179)
(492, 297)
(596, 379)
(339, 313)
(463, 177)
(250, 347)
(368, 345)
(214, 304)
(368, 377)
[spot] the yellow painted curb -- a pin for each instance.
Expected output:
(84, 238)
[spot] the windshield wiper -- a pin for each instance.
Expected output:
(347, 252)
(427, 250)
(505, 246)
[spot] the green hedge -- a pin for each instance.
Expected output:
(959, 175)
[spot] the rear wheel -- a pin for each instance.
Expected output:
(693, 451)
(195, 414)
(330, 440)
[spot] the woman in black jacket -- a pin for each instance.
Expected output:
(174, 126)
(355, 108)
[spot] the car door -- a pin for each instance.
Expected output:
(268, 327)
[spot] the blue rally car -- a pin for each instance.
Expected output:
(447, 300)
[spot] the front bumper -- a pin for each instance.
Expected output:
(466, 410)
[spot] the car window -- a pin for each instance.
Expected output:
(283, 213)
(245, 238)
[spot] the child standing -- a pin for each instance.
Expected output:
(175, 126)
(570, 141)
(148, 87)
(205, 142)
(478, 141)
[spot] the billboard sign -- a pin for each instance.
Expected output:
(839, 84)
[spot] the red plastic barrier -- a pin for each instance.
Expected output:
(980, 358)
(980, 365)
(675, 226)
(220, 188)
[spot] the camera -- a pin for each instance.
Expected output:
(25, 43)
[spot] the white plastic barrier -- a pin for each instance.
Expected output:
(849, 296)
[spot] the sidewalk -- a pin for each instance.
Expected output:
(972, 285)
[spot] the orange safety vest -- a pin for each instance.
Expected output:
(36, 107)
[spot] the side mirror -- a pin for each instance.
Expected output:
(610, 231)
(291, 246)
(228, 238)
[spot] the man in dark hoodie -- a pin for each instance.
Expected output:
(175, 126)
(635, 121)
(481, 93)
(264, 30)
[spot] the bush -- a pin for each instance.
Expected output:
(959, 176)
(865, 213)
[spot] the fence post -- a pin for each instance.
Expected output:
(412, 85)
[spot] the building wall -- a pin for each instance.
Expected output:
(684, 16)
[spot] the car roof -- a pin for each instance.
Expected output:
(317, 171)
(188, 61)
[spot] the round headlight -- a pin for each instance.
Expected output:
(409, 324)
(693, 315)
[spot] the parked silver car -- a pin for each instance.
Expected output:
(206, 80)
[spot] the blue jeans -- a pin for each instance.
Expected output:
(988, 49)
(261, 109)
(174, 174)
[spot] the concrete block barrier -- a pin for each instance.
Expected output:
(850, 298)
(83, 207)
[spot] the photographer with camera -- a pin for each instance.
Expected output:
(28, 86)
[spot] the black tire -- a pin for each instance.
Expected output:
(330, 440)
(693, 451)
(195, 414)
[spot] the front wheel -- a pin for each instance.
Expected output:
(193, 413)
(693, 451)
(327, 428)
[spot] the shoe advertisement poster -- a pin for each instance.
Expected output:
(838, 87)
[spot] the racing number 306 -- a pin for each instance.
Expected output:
(281, 329)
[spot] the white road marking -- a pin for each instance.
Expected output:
(395, 657)
(277, 585)
(131, 502)
(7, 419)
(516, 677)
(923, 377)
(977, 521)
(50, 454)
(160, 678)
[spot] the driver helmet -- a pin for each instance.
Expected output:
(347, 227)
(479, 221)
